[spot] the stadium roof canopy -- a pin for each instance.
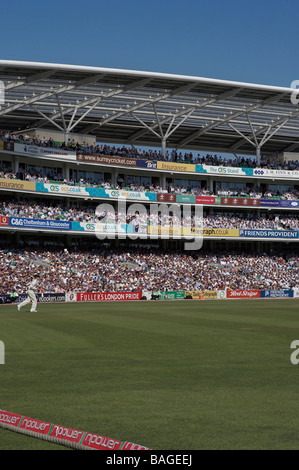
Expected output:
(149, 109)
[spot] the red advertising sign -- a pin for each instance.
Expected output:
(205, 200)
(10, 419)
(132, 446)
(107, 296)
(165, 197)
(240, 201)
(73, 437)
(34, 425)
(4, 220)
(95, 441)
(241, 294)
(67, 434)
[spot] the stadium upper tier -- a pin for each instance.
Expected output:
(150, 109)
(148, 154)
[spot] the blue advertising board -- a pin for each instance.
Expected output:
(278, 203)
(147, 164)
(281, 293)
(290, 234)
(39, 223)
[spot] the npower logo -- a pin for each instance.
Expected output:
(2, 353)
(94, 440)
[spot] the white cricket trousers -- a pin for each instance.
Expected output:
(31, 298)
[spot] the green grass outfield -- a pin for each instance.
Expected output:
(170, 375)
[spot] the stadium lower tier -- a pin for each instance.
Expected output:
(99, 267)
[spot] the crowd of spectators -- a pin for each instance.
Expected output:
(149, 154)
(89, 214)
(103, 270)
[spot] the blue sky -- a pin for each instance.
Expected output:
(249, 41)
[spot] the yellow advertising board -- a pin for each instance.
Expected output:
(163, 230)
(220, 232)
(203, 294)
(192, 231)
(181, 167)
(12, 184)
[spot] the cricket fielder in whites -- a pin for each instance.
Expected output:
(31, 295)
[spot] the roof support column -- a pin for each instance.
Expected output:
(258, 155)
(163, 146)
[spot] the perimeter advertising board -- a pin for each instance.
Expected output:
(240, 201)
(279, 294)
(296, 292)
(201, 294)
(207, 200)
(107, 160)
(85, 191)
(242, 294)
(223, 170)
(180, 167)
(186, 198)
(284, 234)
(97, 227)
(107, 296)
(220, 232)
(150, 164)
(279, 203)
(268, 173)
(171, 295)
(4, 220)
(20, 222)
(122, 193)
(164, 230)
(44, 151)
(19, 185)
